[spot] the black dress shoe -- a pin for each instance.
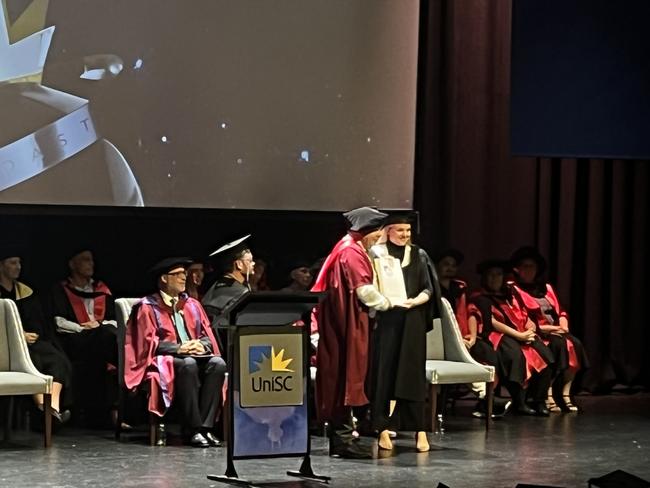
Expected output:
(212, 440)
(524, 410)
(345, 446)
(541, 410)
(197, 440)
(350, 451)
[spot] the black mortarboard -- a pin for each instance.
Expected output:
(165, 265)
(232, 249)
(528, 252)
(451, 252)
(365, 219)
(404, 217)
(230, 252)
(488, 264)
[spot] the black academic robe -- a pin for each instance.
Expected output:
(399, 348)
(217, 301)
(46, 354)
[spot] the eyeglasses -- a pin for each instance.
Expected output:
(177, 273)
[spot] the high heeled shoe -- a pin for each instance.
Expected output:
(552, 406)
(569, 406)
(384, 441)
(422, 445)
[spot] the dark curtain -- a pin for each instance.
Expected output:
(588, 217)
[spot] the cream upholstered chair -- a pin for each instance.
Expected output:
(18, 376)
(449, 362)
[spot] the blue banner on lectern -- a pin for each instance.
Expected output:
(270, 416)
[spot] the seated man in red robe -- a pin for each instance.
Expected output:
(343, 325)
(170, 345)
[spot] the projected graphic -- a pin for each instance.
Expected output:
(59, 156)
(209, 103)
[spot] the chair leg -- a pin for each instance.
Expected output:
(489, 400)
(153, 428)
(47, 413)
(9, 418)
(433, 394)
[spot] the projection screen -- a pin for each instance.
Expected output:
(282, 104)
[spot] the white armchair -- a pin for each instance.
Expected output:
(18, 376)
(449, 362)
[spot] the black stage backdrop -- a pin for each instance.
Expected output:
(588, 217)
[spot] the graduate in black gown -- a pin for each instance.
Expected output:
(399, 340)
(45, 353)
(235, 265)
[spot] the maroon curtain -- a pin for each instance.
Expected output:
(588, 217)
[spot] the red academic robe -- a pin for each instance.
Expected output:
(511, 312)
(342, 322)
(153, 323)
(77, 302)
(536, 314)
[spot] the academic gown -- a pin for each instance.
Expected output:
(151, 330)
(572, 354)
(343, 325)
(518, 361)
(46, 354)
(399, 346)
(217, 301)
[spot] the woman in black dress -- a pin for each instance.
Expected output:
(45, 355)
(399, 340)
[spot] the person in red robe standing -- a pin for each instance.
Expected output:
(343, 326)
(169, 344)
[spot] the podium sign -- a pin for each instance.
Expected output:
(270, 417)
(270, 370)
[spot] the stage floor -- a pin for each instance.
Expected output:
(612, 433)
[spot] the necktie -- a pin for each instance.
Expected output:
(179, 323)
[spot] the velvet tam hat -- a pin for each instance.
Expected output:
(365, 219)
(488, 264)
(528, 252)
(165, 265)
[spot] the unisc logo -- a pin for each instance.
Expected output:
(268, 370)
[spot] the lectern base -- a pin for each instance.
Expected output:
(306, 472)
(229, 480)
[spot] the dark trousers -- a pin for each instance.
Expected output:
(198, 383)
(91, 351)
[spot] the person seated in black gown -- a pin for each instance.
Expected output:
(83, 311)
(44, 351)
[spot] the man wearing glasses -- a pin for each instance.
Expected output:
(235, 263)
(170, 344)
